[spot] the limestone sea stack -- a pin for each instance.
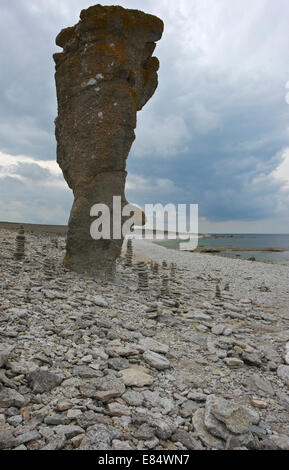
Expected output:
(105, 74)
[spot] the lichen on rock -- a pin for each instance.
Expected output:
(105, 74)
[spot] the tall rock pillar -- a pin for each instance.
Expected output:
(105, 74)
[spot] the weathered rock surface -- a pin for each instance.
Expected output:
(105, 74)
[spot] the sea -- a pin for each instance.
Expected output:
(249, 245)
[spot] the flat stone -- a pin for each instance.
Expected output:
(69, 430)
(133, 398)
(148, 344)
(283, 373)
(64, 405)
(218, 329)
(77, 440)
(27, 437)
(233, 362)
(122, 445)
(156, 360)
(5, 351)
(99, 301)
(99, 437)
(111, 385)
(42, 381)
(7, 440)
(185, 438)
(85, 372)
(198, 316)
(281, 441)
(256, 382)
(252, 359)
(73, 414)
(9, 397)
(259, 403)
(136, 376)
(202, 432)
(188, 408)
(55, 419)
(144, 432)
(118, 363)
(56, 443)
(116, 409)
(236, 417)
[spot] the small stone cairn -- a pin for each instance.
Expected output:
(142, 273)
(129, 254)
(218, 292)
(110, 273)
(173, 271)
(155, 269)
(165, 286)
(152, 310)
(20, 244)
(164, 265)
(227, 286)
(48, 269)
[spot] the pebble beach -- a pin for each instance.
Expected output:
(97, 364)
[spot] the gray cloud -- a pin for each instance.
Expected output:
(214, 132)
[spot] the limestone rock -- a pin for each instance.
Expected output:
(281, 441)
(42, 381)
(202, 432)
(105, 74)
(234, 416)
(152, 345)
(9, 397)
(136, 376)
(283, 373)
(99, 437)
(185, 438)
(156, 360)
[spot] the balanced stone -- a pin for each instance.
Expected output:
(173, 270)
(20, 244)
(105, 74)
(48, 269)
(218, 291)
(155, 269)
(165, 286)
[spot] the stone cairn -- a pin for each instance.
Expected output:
(218, 291)
(165, 286)
(129, 254)
(164, 265)
(155, 269)
(152, 310)
(110, 273)
(48, 269)
(54, 243)
(105, 74)
(142, 273)
(173, 271)
(20, 244)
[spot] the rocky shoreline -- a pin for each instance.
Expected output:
(96, 364)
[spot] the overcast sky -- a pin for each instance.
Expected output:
(216, 132)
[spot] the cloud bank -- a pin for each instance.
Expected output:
(215, 133)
